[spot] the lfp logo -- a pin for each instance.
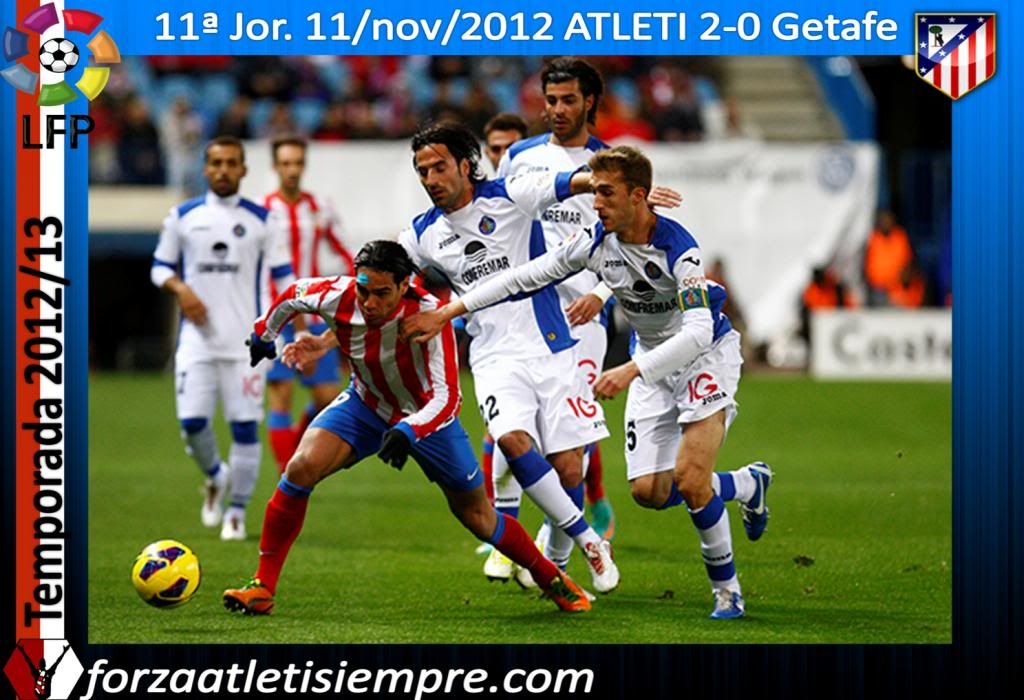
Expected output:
(59, 55)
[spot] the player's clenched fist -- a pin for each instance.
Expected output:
(615, 380)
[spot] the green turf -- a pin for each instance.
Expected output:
(862, 499)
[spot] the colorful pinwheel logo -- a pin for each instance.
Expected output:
(59, 54)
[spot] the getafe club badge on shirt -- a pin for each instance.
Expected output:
(956, 52)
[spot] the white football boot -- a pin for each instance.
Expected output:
(604, 574)
(213, 497)
(233, 527)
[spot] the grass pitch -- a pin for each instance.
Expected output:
(858, 549)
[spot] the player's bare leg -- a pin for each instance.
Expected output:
(542, 483)
(320, 454)
(477, 514)
(602, 517)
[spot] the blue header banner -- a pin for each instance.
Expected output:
(657, 27)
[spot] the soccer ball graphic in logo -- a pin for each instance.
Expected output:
(166, 574)
(58, 55)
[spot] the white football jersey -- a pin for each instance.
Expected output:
(226, 250)
(497, 231)
(674, 310)
(561, 219)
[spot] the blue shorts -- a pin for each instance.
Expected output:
(445, 456)
(326, 371)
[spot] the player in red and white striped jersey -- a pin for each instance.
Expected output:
(316, 251)
(404, 401)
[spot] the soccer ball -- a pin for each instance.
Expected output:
(58, 55)
(166, 574)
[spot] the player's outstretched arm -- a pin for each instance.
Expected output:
(319, 296)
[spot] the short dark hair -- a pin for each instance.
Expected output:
(507, 121)
(566, 68)
(461, 142)
(224, 141)
(286, 141)
(385, 256)
(628, 161)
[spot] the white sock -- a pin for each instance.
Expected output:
(202, 447)
(712, 523)
(508, 494)
(245, 467)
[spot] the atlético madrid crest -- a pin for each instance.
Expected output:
(956, 51)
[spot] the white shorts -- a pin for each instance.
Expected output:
(590, 350)
(197, 384)
(655, 412)
(545, 396)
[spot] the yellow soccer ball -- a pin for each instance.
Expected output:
(166, 574)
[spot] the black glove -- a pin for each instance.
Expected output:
(260, 350)
(394, 448)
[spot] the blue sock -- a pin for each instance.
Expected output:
(726, 486)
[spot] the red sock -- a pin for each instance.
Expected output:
(519, 547)
(487, 465)
(283, 442)
(595, 476)
(282, 523)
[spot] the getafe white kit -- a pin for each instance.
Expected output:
(686, 349)
(560, 221)
(522, 354)
(226, 250)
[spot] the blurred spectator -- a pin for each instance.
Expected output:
(911, 290)
(280, 122)
(234, 121)
(332, 124)
(138, 152)
(617, 119)
(479, 107)
(444, 108)
(501, 132)
(103, 140)
(265, 77)
(676, 105)
(444, 68)
(181, 134)
(188, 65)
(823, 292)
(887, 253)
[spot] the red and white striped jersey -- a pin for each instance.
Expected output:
(398, 380)
(311, 221)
